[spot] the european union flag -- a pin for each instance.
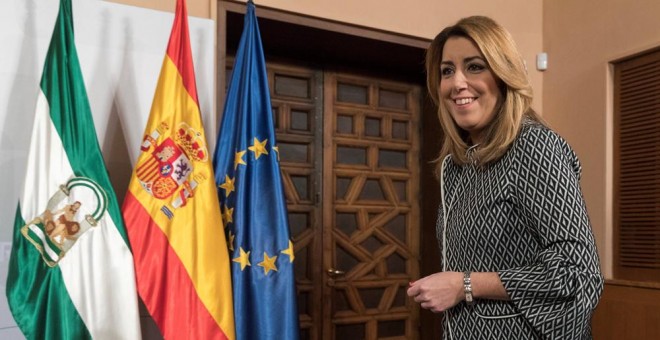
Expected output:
(247, 174)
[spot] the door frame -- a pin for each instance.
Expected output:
(352, 47)
(404, 51)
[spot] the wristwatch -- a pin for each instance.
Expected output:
(467, 288)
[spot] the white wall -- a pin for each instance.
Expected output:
(121, 49)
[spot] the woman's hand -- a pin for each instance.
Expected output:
(438, 292)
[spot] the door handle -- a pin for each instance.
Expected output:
(335, 273)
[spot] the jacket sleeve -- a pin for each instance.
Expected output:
(557, 290)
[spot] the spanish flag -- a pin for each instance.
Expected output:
(171, 210)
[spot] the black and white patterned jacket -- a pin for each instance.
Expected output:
(524, 217)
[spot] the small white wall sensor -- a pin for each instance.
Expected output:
(542, 61)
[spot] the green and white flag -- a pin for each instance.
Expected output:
(71, 269)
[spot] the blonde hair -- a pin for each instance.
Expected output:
(508, 67)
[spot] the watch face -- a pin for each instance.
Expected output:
(468, 293)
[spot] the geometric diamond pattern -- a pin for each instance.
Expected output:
(524, 217)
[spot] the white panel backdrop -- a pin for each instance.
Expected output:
(121, 49)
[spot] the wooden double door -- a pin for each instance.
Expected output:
(349, 148)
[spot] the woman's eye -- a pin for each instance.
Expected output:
(476, 68)
(447, 71)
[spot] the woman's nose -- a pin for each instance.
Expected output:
(460, 81)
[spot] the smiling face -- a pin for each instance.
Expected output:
(468, 88)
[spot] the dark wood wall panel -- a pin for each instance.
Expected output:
(628, 311)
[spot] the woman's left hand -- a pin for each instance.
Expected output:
(438, 292)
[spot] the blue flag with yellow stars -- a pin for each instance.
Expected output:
(247, 174)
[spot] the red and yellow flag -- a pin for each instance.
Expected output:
(171, 209)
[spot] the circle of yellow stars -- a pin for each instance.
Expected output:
(243, 259)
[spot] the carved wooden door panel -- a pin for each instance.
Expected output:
(370, 207)
(296, 98)
(349, 155)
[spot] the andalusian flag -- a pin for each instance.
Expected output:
(71, 270)
(172, 212)
(252, 197)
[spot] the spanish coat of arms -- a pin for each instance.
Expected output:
(166, 171)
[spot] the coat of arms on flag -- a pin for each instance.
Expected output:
(71, 211)
(166, 172)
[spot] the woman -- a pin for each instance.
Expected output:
(519, 259)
